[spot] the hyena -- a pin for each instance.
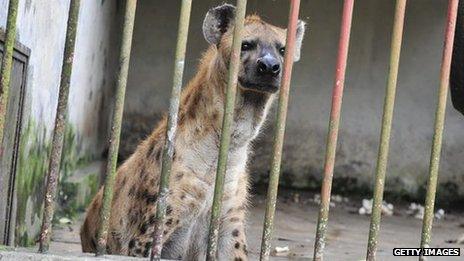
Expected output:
(196, 151)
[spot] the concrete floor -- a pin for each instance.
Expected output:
(295, 227)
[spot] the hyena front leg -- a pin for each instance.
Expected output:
(232, 238)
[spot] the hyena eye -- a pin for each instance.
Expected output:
(282, 51)
(246, 46)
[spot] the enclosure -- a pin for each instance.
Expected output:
(357, 41)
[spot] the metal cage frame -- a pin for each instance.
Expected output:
(333, 128)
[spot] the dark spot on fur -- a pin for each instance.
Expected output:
(138, 251)
(168, 210)
(215, 116)
(192, 205)
(177, 222)
(238, 259)
(131, 244)
(143, 228)
(169, 222)
(151, 198)
(245, 250)
(152, 219)
(158, 155)
(150, 150)
(181, 120)
(146, 252)
(132, 191)
(235, 233)
(193, 105)
(179, 176)
(94, 244)
(165, 232)
(234, 219)
(237, 245)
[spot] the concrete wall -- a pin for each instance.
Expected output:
(151, 71)
(42, 27)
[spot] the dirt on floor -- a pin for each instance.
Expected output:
(295, 226)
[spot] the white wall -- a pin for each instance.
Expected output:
(42, 27)
(151, 70)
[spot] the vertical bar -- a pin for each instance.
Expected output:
(124, 59)
(280, 130)
(439, 124)
(384, 145)
(60, 124)
(184, 21)
(226, 129)
(332, 137)
(5, 73)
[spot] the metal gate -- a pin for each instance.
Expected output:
(228, 115)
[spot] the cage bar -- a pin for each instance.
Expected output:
(5, 73)
(124, 58)
(280, 130)
(168, 151)
(60, 125)
(231, 91)
(439, 124)
(334, 122)
(388, 109)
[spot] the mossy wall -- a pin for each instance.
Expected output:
(30, 179)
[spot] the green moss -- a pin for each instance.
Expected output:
(32, 167)
(30, 181)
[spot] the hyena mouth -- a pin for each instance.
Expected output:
(269, 87)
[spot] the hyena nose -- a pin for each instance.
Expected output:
(268, 65)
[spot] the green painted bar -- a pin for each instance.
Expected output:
(124, 58)
(439, 125)
(7, 62)
(280, 130)
(388, 108)
(231, 91)
(182, 34)
(59, 130)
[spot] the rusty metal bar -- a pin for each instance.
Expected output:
(123, 70)
(182, 33)
(332, 137)
(388, 108)
(7, 62)
(231, 91)
(280, 130)
(439, 124)
(60, 124)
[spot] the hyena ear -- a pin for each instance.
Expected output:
(300, 31)
(217, 21)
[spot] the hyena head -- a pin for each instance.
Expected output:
(263, 47)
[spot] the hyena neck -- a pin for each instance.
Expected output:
(204, 100)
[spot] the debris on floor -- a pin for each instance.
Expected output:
(281, 251)
(460, 240)
(440, 214)
(366, 208)
(417, 210)
(333, 199)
